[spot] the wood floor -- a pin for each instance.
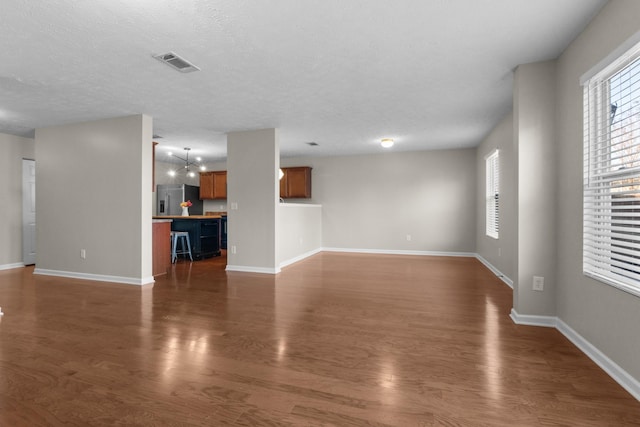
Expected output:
(335, 340)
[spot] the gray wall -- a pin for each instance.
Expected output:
(252, 193)
(373, 202)
(501, 252)
(299, 232)
(535, 155)
(93, 192)
(12, 150)
(607, 317)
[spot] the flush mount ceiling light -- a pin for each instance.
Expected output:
(187, 164)
(176, 62)
(387, 142)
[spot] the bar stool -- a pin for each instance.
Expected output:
(182, 236)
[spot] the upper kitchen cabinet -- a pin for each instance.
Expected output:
(213, 185)
(296, 183)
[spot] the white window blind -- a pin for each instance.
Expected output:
(492, 193)
(611, 199)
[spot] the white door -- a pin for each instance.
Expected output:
(28, 211)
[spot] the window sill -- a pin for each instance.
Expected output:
(630, 289)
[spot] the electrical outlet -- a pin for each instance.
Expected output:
(408, 237)
(499, 251)
(538, 283)
(233, 249)
(234, 206)
(83, 253)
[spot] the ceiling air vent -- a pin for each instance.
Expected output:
(177, 62)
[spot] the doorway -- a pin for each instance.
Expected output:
(28, 211)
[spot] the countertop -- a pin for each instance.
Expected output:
(188, 217)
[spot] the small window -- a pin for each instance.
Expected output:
(611, 199)
(492, 193)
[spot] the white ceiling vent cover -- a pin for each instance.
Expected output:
(177, 62)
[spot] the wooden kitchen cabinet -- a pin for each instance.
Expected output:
(296, 183)
(213, 185)
(161, 247)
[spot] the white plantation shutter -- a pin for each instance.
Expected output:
(492, 193)
(611, 199)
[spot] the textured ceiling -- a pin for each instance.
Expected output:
(430, 74)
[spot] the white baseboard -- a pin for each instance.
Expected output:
(10, 266)
(530, 320)
(495, 271)
(399, 252)
(249, 269)
(621, 376)
(300, 257)
(96, 277)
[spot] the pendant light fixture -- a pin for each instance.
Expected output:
(188, 164)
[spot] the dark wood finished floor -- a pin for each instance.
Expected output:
(335, 340)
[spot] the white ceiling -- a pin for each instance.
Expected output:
(429, 73)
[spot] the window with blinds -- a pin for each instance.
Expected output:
(492, 192)
(611, 202)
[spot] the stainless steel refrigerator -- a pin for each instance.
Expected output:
(170, 196)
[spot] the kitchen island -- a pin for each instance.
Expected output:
(161, 246)
(204, 233)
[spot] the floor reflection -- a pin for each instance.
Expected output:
(493, 356)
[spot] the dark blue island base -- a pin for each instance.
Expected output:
(204, 233)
